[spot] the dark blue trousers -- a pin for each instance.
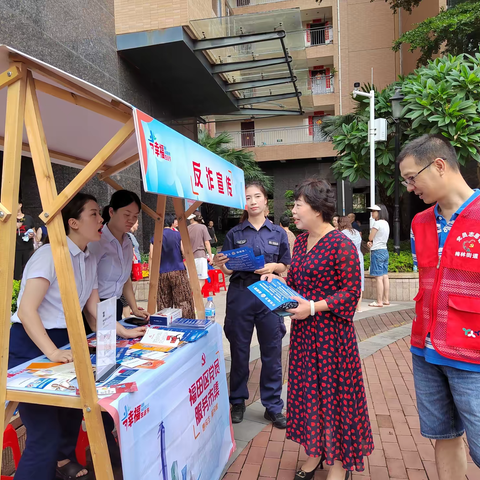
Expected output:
(51, 431)
(244, 312)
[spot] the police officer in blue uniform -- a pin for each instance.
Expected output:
(245, 310)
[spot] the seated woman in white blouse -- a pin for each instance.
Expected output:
(39, 327)
(114, 251)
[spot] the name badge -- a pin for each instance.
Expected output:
(275, 244)
(241, 242)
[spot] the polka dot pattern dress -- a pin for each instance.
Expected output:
(327, 408)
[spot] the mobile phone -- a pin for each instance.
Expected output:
(137, 321)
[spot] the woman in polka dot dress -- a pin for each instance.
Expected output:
(327, 408)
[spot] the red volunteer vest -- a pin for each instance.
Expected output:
(448, 301)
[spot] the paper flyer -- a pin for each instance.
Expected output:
(106, 336)
(162, 338)
(277, 296)
(243, 260)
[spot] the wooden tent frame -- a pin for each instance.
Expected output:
(23, 109)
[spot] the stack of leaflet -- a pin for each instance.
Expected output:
(243, 260)
(277, 296)
(196, 324)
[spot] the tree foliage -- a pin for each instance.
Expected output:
(440, 98)
(455, 30)
(244, 159)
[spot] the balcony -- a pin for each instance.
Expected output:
(250, 3)
(287, 143)
(323, 85)
(317, 36)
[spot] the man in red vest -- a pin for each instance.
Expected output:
(446, 330)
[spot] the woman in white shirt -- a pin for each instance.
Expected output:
(114, 251)
(39, 327)
(345, 226)
(379, 233)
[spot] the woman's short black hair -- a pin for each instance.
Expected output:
(75, 207)
(120, 199)
(169, 220)
(319, 195)
(285, 221)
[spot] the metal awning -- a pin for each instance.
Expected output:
(239, 66)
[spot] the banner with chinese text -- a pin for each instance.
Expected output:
(176, 166)
(177, 425)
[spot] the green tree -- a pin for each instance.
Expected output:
(244, 159)
(441, 98)
(455, 30)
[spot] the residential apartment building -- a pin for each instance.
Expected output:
(331, 44)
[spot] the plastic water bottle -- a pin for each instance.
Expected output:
(210, 309)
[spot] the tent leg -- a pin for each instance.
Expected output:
(12, 159)
(179, 206)
(65, 276)
(156, 255)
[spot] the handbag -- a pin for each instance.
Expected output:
(364, 247)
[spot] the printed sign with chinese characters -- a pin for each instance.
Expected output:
(106, 335)
(176, 166)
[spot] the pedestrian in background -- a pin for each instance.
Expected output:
(285, 224)
(335, 221)
(346, 227)
(25, 244)
(355, 223)
(445, 338)
(173, 286)
(211, 232)
(200, 241)
(379, 254)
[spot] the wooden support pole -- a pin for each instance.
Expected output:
(192, 208)
(62, 80)
(121, 166)
(88, 172)
(4, 213)
(67, 401)
(145, 208)
(178, 204)
(12, 158)
(156, 255)
(10, 76)
(79, 100)
(65, 276)
(63, 157)
(9, 411)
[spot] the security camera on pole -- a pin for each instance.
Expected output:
(377, 131)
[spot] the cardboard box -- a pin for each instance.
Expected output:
(166, 316)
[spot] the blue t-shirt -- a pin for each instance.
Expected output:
(171, 260)
(443, 229)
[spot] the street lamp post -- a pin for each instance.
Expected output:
(397, 114)
(371, 137)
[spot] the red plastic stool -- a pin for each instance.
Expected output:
(10, 439)
(207, 289)
(82, 444)
(217, 282)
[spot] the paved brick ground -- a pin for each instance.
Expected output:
(400, 451)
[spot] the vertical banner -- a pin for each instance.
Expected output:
(106, 336)
(176, 166)
(177, 426)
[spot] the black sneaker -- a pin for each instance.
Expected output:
(237, 411)
(279, 420)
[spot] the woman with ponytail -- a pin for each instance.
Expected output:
(245, 311)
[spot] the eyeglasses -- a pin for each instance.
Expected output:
(411, 180)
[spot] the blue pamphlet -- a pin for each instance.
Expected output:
(197, 324)
(243, 260)
(277, 296)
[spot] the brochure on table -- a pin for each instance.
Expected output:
(106, 336)
(277, 296)
(243, 260)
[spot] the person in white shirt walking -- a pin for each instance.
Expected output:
(379, 257)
